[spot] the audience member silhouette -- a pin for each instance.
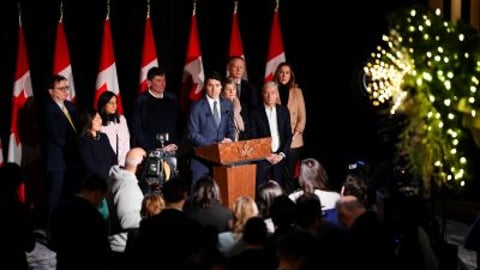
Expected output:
(265, 195)
(206, 207)
(169, 238)
(314, 179)
(124, 201)
(79, 232)
(366, 244)
(16, 229)
(230, 242)
(253, 255)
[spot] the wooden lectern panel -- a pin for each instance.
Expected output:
(235, 181)
(228, 153)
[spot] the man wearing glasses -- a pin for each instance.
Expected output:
(61, 127)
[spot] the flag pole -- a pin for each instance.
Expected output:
(108, 10)
(19, 14)
(61, 11)
(148, 9)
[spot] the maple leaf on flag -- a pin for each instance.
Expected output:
(61, 60)
(193, 74)
(149, 55)
(107, 78)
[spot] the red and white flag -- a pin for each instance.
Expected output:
(107, 78)
(193, 75)
(1, 153)
(149, 55)
(236, 47)
(61, 60)
(22, 91)
(276, 54)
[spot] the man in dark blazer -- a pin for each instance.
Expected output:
(272, 120)
(246, 91)
(61, 122)
(203, 128)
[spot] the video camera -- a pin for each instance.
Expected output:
(159, 167)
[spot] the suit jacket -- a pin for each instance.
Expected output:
(61, 137)
(201, 127)
(298, 115)
(249, 95)
(261, 129)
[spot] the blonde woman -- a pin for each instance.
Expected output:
(231, 242)
(229, 92)
(152, 204)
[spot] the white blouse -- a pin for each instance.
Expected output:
(119, 137)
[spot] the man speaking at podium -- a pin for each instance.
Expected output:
(210, 122)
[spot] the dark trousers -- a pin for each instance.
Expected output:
(266, 171)
(293, 157)
(55, 191)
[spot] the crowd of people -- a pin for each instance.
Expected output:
(99, 217)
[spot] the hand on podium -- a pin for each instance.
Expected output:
(226, 140)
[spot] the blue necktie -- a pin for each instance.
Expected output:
(216, 113)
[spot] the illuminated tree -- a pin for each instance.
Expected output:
(428, 71)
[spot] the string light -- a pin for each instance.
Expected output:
(418, 71)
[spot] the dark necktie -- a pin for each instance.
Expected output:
(239, 89)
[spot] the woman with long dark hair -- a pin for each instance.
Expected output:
(114, 125)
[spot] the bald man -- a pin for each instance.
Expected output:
(125, 198)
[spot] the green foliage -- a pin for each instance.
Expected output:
(434, 67)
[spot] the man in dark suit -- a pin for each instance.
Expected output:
(246, 92)
(210, 122)
(272, 120)
(61, 122)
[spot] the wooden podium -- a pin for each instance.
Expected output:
(234, 175)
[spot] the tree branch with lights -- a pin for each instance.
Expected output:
(428, 70)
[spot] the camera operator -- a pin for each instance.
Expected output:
(125, 200)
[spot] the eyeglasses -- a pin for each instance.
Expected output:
(65, 88)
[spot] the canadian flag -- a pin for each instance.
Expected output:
(193, 75)
(107, 75)
(1, 153)
(149, 55)
(276, 54)
(22, 90)
(236, 47)
(61, 59)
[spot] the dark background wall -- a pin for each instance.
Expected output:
(327, 47)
